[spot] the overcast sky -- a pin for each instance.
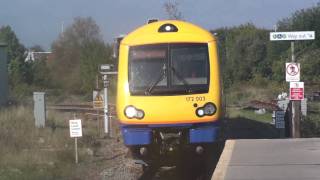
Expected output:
(40, 21)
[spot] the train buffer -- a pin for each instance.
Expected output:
(290, 159)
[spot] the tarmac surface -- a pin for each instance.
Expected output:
(292, 159)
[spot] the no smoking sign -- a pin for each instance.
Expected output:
(292, 72)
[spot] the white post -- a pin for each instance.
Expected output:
(76, 148)
(75, 143)
(106, 69)
(106, 117)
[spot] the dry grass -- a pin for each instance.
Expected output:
(27, 152)
(15, 128)
(240, 94)
(48, 153)
(249, 114)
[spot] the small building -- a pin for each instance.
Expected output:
(4, 87)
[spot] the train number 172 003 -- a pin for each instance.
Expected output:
(196, 98)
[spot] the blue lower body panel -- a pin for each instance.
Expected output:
(203, 134)
(136, 136)
(196, 133)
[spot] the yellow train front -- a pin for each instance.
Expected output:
(169, 91)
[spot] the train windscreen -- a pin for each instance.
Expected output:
(169, 69)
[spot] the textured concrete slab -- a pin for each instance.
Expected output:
(270, 159)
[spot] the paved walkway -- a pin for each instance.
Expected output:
(269, 159)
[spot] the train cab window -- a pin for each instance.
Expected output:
(189, 64)
(169, 69)
(147, 65)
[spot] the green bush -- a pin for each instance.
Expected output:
(310, 127)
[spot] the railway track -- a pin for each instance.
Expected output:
(84, 108)
(192, 168)
(176, 173)
(149, 173)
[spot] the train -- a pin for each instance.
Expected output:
(169, 91)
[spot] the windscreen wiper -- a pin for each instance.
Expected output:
(163, 74)
(180, 78)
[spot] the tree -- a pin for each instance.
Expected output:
(172, 10)
(311, 66)
(243, 51)
(19, 71)
(15, 50)
(39, 70)
(303, 20)
(76, 55)
(306, 51)
(93, 55)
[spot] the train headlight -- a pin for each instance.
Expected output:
(200, 112)
(165, 28)
(140, 114)
(168, 28)
(209, 109)
(132, 112)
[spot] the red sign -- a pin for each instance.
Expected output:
(296, 90)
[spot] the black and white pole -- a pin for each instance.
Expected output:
(106, 114)
(105, 70)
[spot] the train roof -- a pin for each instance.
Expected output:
(182, 32)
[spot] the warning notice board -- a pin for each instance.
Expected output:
(75, 128)
(97, 99)
(296, 91)
(292, 72)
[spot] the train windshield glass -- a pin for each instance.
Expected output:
(169, 69)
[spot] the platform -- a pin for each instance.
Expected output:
(292, 159)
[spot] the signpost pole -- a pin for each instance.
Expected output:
(295, 121)
(75, 132)
(106, 117)
(75, 144)
(106, 69)
(98, 112)
(76, 148)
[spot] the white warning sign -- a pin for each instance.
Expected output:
(75, 128)
(97, 99)
(292, 72)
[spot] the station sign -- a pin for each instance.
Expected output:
(292, 36)
(297, 91)
(75, 128)
(292, 72)
(107, 69)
